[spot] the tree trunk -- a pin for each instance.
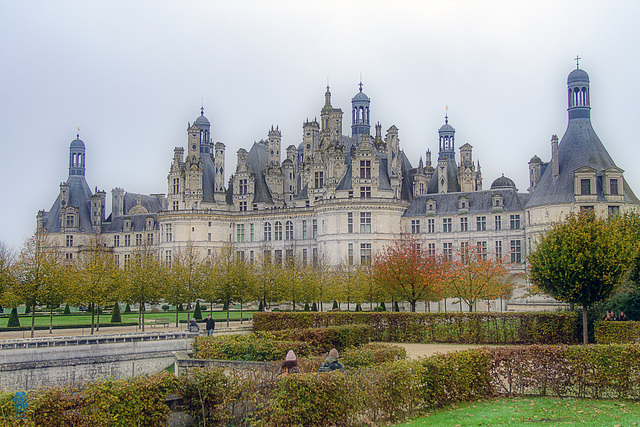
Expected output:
(241, 313)
(585, 329)
(142, 311)
(33, 319)
(93, 317)
(177, 316)
(413, 306)
(139, 317)
(51, 319)
(228, 307)
(98, 320)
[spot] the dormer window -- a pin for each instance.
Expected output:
(431, 205)
(585, 183)
(127, 225)
(613, 183)
(150, 223)
(463, 204)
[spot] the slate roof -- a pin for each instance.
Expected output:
(479, 202)
(452, 180)
(257, 163)
(79, 197)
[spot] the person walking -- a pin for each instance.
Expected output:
(211, 325)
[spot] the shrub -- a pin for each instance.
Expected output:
(127, 309)
(165, 308)
(383, 307)
(67, 310)
(197, 313)
(314, 307)
(372, 354)
(14, 321)
(115, 315)
(617, 332)
(306, 306)
(335, 305)
(247, 347)
(321, 340)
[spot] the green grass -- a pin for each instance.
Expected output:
(85, 319)
(534, 411)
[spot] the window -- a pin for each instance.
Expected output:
(365, 253)
(251, 233)
(314, 255)
(176, 185)
(498, 250)
(175, 205)
(431, 225)
(278, 257)
(168, 230)
(127, 259)
(365, 192)
(167, 258)
(240, 233)
(481, 223)
(278, 231)
(350, 254)
(585, 187)
(482, 250)
(116, 259)
(365, 169)
(498, 222)
(251, 257)
(150, 238)
(208, 237)
(514, 222)
(365, 222)
(304, 257)
(240, 256)
(350, 222)
(447, 250)
(304, 229)
(288, 257)
(464, 252)
(464, 224)
(516, 252)
(138, 239)
(614, 210)
(288, 231)
(266, 255)
(431, 248)
(127, 239)
(69, 257)
(116, 241)
(613, 186)
(415, 226)
(70, 221)
(319, 181)
(446, 225)
(242, 206)
(69, 241)
(267, 231)
(242, 186)
(315, 229)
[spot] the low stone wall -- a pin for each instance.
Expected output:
(27, 364)
(182, 364)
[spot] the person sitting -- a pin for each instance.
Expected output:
(289, 365)
(622, 317)
(193, 326)
(331, 363)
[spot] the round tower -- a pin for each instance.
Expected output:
(360, 119)
(446, 135)
(76, 157)
(578, 94)
(205, 132)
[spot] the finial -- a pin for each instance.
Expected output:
(360, 82)
(578, 61)
(78, 134)
(446, 114)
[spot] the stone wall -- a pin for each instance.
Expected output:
(27, 364)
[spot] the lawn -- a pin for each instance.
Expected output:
(523, 411)
(85, 319)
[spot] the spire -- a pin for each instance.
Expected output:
(327, 96)
(578, 62)
(360, 82)
(446, 114)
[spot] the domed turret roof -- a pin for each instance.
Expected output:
(77, 143)
(360, 96)
(202, 120)
(446, 127)
(503, 182)
(535, 159)
(578, 75)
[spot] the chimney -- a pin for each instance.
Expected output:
(555, 165)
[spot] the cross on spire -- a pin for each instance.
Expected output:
(360, 82)
(78, 134)
(578, 61)
(446, 114)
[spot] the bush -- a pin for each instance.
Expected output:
(247, 347)
(165, 308)
(372, 354)
(115, 315)
(14, 321)
(67, 310)
(335, 305)
(383, 307)
(314, 307)
(306, 306)
(197, 313)
(617, 332)
(321, 340)
(127, 309)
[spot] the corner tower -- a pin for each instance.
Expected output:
(360, 118)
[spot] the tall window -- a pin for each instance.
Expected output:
(498, 222)
(498, 250)
(350, 254)
(278, 257)
(365, 169)
(70, 221)
(431, 248)
(176, 185)
(431, 225)
(481, 223)
(267, 231)
(482, 250)
(69, 241)
(446, 225)
(304, 257)
(175, 205)
(514, 222)
(288, 257)
(278, 231)
(242, 187)
(447, 250)
(464, 252)
(150, 238)
(127, 259)
(116, 241)
(614, 210)
(613, 186)
(315, 229)
(365, 222)
(319, 179)
(365, 253)
(138, 239)
(288, 231)
(242, 206)
(516, 252)
(464, 224)
(168, 232)
(350, 222)
(314, 255)
(415, 226)
(251, 233)
(240, 233)
(585, 187)
(304, 229)
(365, 192)
(127, 239)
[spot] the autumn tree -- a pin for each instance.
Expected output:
(408, 272)
(143, 279)
(40, 278)
(7, 261)
(231, 278)
(268, 285)
(184, 280)
(475, 276)
(583, 259)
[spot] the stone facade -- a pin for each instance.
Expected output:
(341, 198)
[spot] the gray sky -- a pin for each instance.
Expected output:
(131, 74)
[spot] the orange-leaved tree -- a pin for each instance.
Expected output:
(474, 275)
(409, 272)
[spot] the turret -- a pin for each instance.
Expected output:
(275, 140)
(97, 208)
(219, 175)
(117, 202)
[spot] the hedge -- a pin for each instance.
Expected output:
(79, 326)
(467, 328)
(617, 332)
(247, 347)
(321, 340)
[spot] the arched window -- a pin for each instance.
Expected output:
(288, 235)
(267, 231)
(278, 231)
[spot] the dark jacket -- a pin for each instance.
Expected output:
(331, 364)
(211, 324)
(193, 326)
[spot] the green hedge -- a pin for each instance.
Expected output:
(321, 340)
(81, 326)
(247, 347)
(617, 332)
(476, 328)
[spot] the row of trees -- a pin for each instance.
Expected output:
(40, 276)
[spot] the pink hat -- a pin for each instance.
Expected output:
(291, 356)
(334, 353)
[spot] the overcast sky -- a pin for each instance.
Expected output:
(131, 74)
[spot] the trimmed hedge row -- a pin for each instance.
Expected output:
(79, 326)
(321, 340)
(476, 328)
(617, 332)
